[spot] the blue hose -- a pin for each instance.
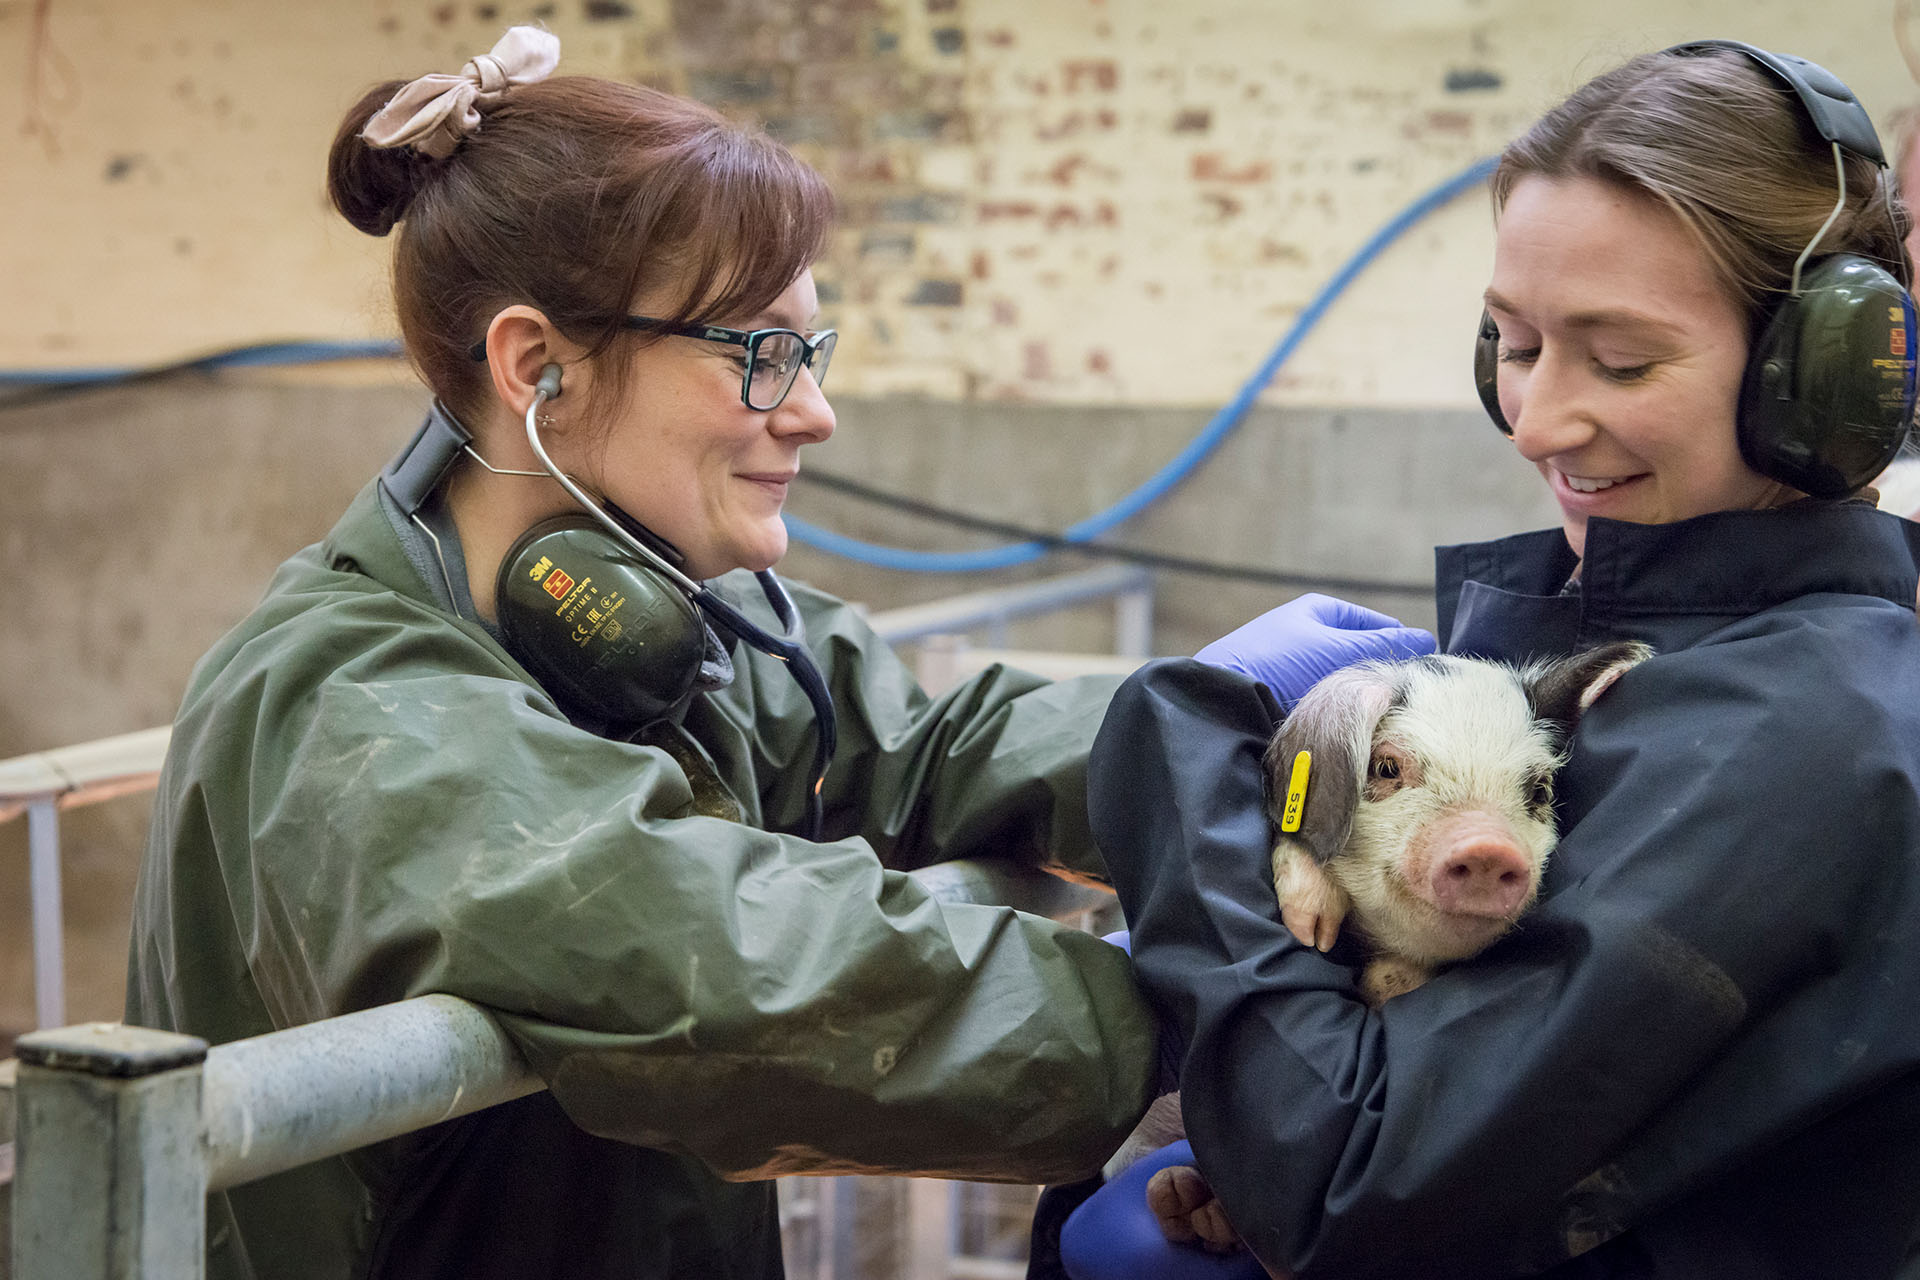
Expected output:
(1156, 486)
(260, 353)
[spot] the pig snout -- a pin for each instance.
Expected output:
(1471, 865)
(1481, 875)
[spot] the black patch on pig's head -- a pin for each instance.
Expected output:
(1561, 690)
(1334, 721)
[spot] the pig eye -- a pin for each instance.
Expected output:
(1388, 772)
(1541, 796)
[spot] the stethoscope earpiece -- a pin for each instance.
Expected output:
(549, 382)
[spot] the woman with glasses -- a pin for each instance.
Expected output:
(535, 726)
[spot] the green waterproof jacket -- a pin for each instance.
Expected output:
(367, 799)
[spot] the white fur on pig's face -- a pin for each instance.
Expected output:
(1472, 764)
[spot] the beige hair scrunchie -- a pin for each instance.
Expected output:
(435, 112)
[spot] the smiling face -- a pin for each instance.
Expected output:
(1621, 357)
(687, 459)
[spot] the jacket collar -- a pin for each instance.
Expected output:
(364, 541)
(1667, 584)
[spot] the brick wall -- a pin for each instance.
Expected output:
(1067, 201)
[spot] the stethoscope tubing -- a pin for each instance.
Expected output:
(789, 648)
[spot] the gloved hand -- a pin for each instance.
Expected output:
(1113, 1235)
(1289, 648)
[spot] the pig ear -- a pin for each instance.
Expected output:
(1561, 690)
(1334, 721)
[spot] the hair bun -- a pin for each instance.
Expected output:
(370, 186)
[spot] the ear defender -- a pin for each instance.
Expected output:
(1828, 394)
(1486, 371)
(598, 627)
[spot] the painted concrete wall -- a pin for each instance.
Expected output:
(1071, 228)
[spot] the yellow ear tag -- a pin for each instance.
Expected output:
(1296, 792)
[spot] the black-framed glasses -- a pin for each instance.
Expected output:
(775, 357)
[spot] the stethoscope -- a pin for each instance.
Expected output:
(442, 439)
(789, 646)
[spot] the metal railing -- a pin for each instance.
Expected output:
(123, 1131)
(945, 654)
(1129, 586)
(43, 783)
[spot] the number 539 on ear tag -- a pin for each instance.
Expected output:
(1296, 792)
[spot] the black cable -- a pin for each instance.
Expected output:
(1132, 555)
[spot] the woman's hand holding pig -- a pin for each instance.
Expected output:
(1289, 648)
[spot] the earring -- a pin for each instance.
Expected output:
(546, 420)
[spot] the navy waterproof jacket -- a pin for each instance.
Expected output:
(1699, 1055)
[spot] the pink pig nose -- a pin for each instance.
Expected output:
(1483, 877)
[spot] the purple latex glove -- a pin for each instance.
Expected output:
(1288, 649)
(1114, 1236)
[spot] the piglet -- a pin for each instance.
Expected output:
(1417, 798)
(1413, 801)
